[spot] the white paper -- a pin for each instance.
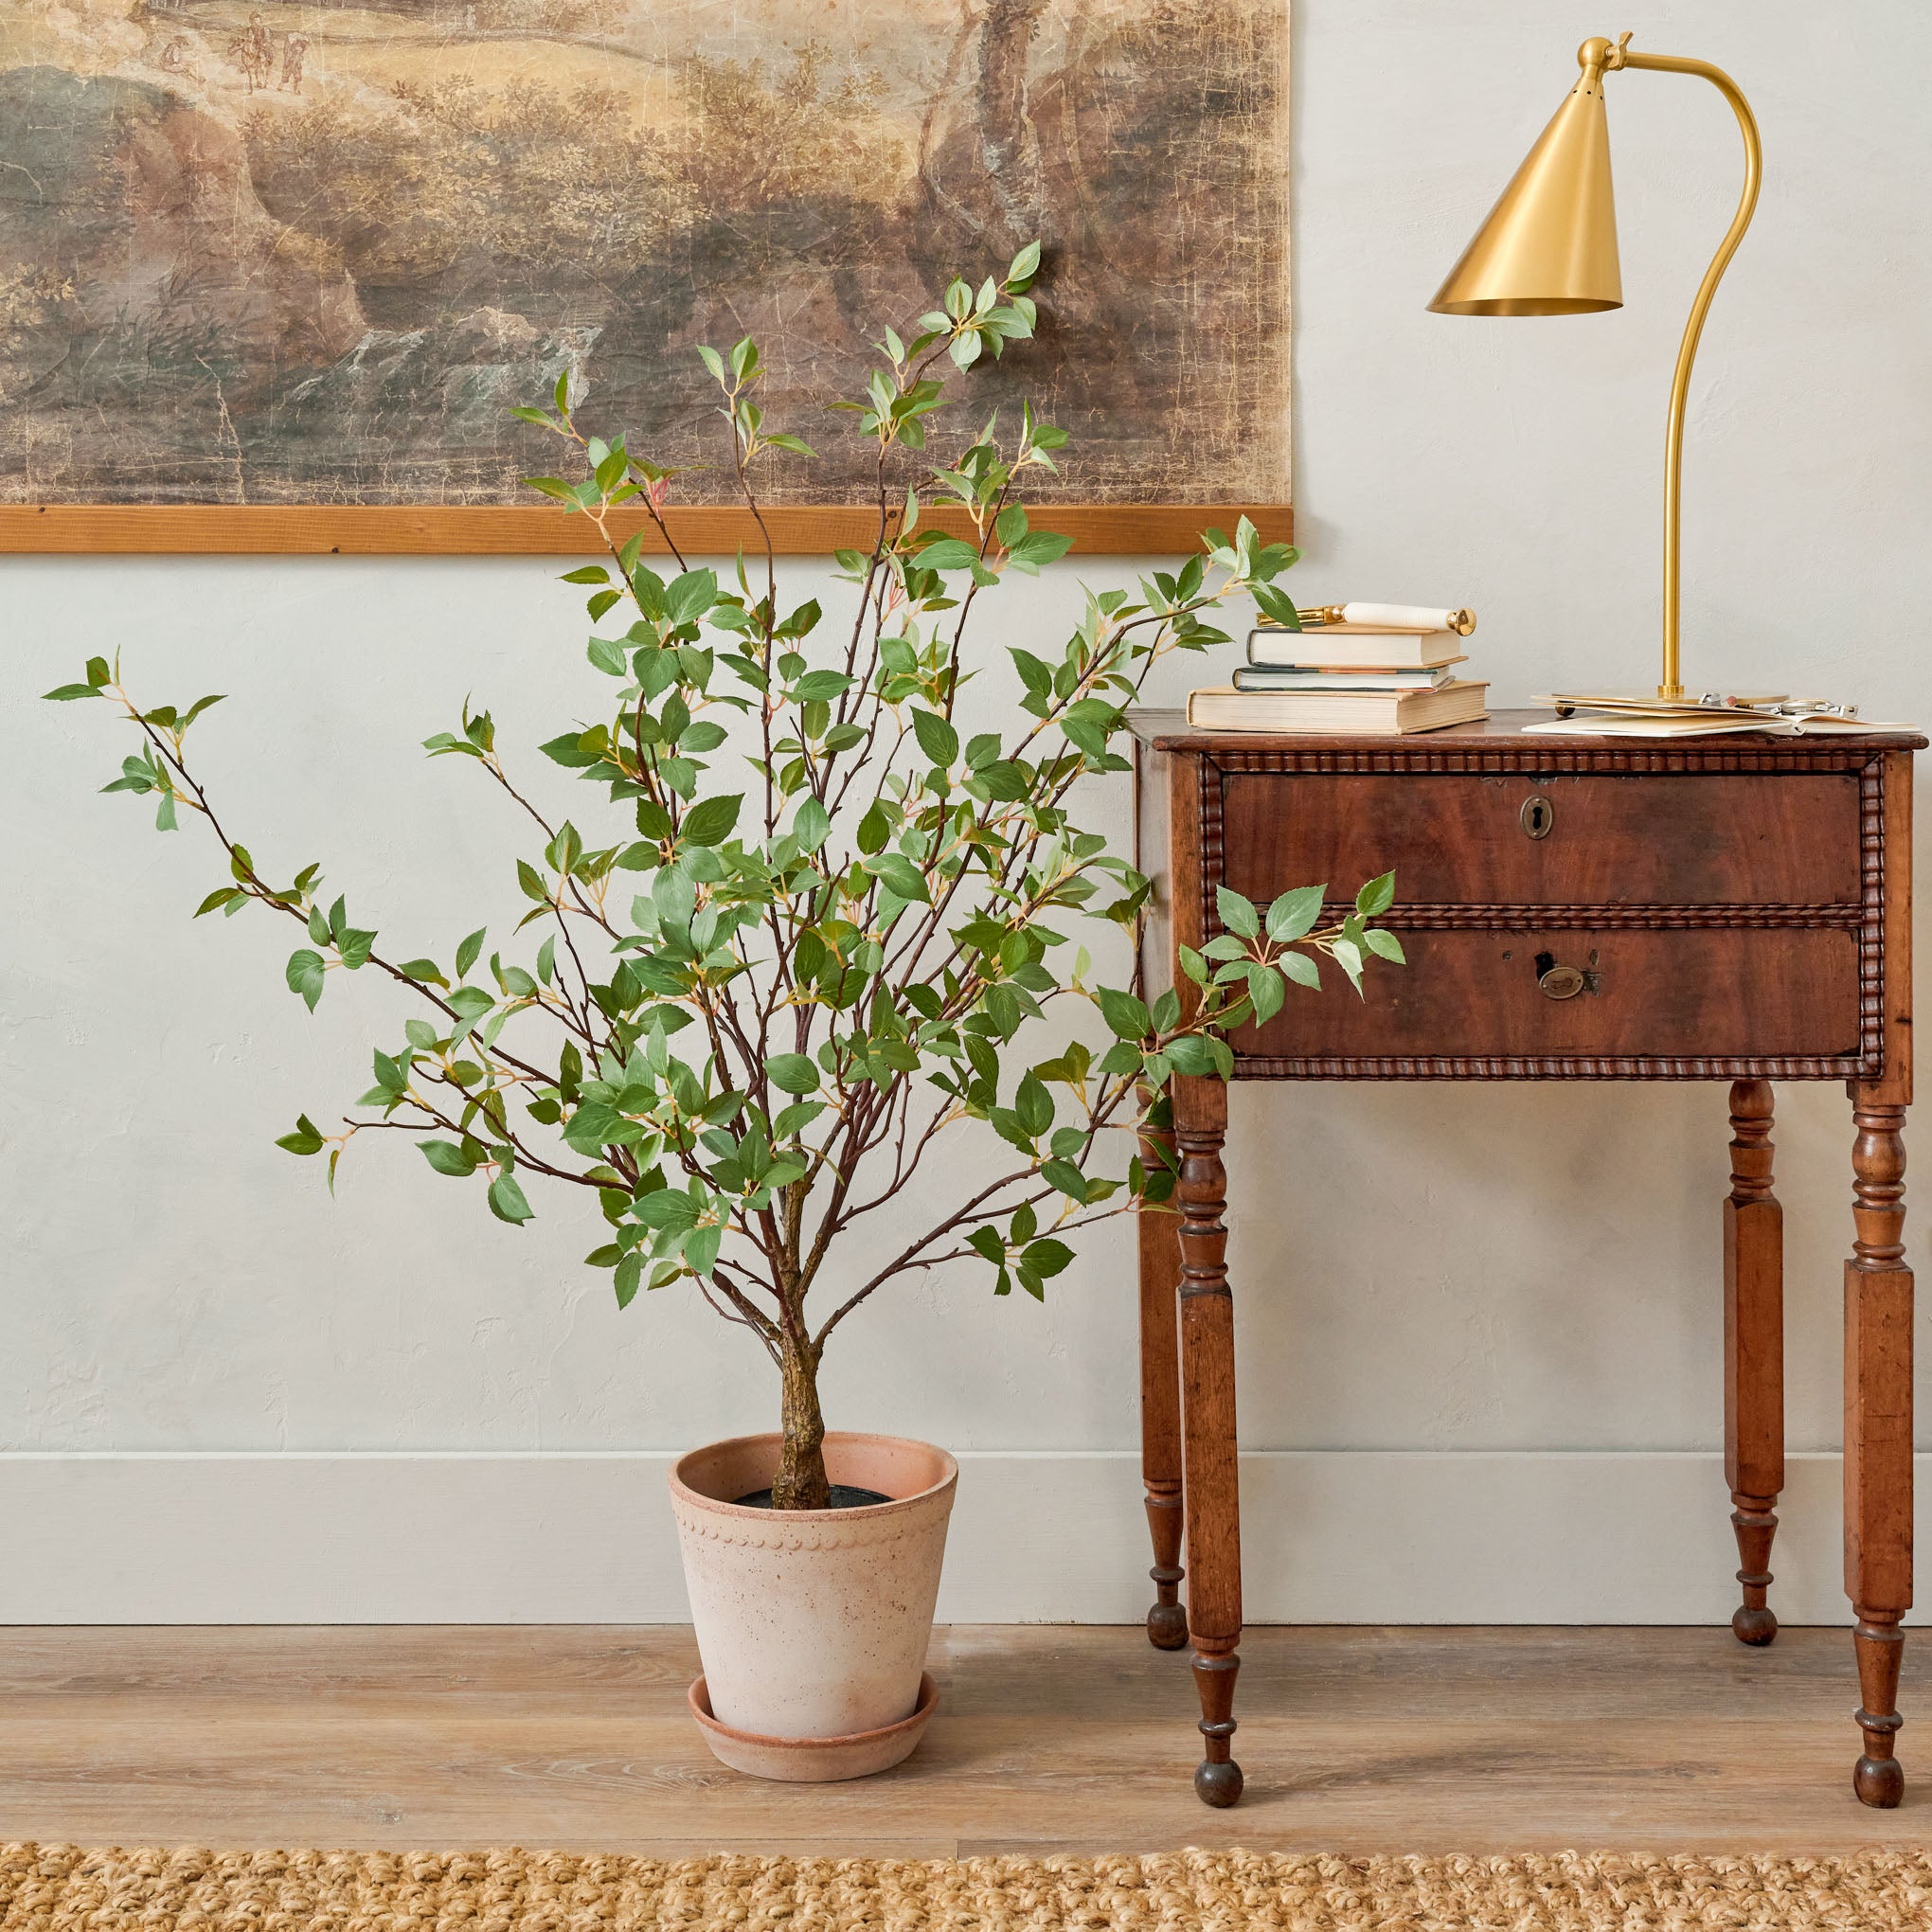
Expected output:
(1398, 616)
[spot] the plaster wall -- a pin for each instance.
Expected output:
(1439, 1271)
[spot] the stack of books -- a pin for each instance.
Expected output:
(1344, 677)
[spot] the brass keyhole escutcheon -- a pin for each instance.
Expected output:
(1539, 816)
(1562, 983)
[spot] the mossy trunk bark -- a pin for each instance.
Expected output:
(801, 1482)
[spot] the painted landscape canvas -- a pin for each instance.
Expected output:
(262, 253)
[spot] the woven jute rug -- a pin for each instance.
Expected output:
(62, 1889)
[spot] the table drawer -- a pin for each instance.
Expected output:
(1762, 993)
(1597, 839)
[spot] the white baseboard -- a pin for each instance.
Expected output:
(1358, 1537)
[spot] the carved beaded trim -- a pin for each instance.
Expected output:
(1570, 1066)
(1554, 917)
(1825, 756)
(1866, 918)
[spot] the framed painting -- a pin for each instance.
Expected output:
(273, 276)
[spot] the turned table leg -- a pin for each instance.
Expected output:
(1160, 1397)
(1212, 1473)
(1753, 1353)
(1878, 1433)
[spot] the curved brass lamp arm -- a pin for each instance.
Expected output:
(1609, 58)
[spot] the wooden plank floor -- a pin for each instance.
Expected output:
(1048, 1739)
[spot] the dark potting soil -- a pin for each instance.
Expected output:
(844, 1497)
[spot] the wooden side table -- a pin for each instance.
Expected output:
(1573, 908)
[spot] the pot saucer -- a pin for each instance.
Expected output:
(814, 1761)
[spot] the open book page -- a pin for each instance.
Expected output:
(1687, 724)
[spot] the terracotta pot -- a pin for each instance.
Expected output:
(812, 1623)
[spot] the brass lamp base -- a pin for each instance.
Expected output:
(1670, 701)
(1674, 698)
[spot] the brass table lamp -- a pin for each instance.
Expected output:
(1549, 247)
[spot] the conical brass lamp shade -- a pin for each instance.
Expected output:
(1549, 246)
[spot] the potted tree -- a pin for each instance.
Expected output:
(754, 1007)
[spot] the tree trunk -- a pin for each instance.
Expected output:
(1008, 141)
(801, 1482)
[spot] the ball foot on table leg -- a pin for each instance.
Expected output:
(1167, 1627)
(1754, 1626)
(1879, 1782)
(1220, 1784)
(1878, 1778)
(1217, 1780)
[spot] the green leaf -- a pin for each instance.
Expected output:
(506, 1200)
(425, 971)
(689, 597)
(1127, 1015)
(591, 1126)
(875, 828)
(306, 1138)
(790, 1120)
(1387, 945)
(467, 951)
(1237, 914)
(66, 694)
(793, 1072)
(219, 897)
(568, 750)
(1039, 547)
(1045, 1257)
(1294, 913)
(1267, 991)
(812, 827)
(949, 553)
(899, 874)
(447, 1158)
(629, 1271)
(1035, 1105)
(1377, 896)
(304, 976)
(700, 1250)
(1300, 968)
(710, 820)
(667, 1208)
(1067, 1177)
(819, 687)
(937, 737)
(1188, 1054)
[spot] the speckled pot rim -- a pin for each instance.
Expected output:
(869, 1512)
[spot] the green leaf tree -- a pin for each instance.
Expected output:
(817, 926)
